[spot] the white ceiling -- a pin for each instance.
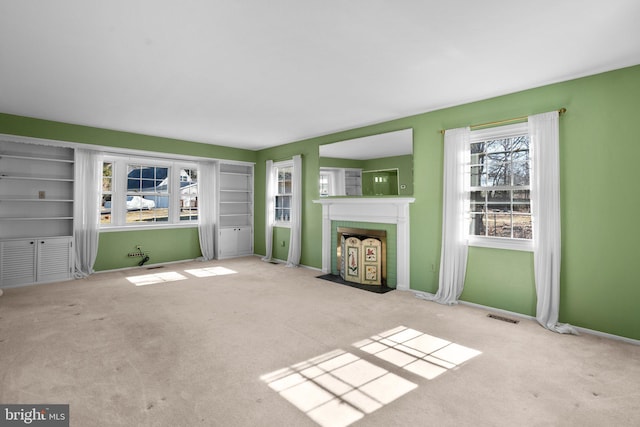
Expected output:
(255, 73)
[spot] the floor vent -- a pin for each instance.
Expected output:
(504, 319)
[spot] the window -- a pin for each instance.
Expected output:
(188, 195)
(284, 194)
(107, 191)
(143, 192)
(499, 193)
(325, 183)
(147, 194)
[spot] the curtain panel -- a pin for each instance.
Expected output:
(207, 209)
(86, 209)
(295, 236)
(545, 211)
(270, 191)
(455, 204)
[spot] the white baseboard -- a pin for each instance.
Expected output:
(525, 316)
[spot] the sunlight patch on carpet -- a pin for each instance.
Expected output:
(154, 278)
(337, 388)
(417, 352)
(210, 271)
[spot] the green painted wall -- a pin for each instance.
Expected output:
(165, 245)
(404, 164)
(162, 245)
(281, 237)
(599, 152)
(331, 162)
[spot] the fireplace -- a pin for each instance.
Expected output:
(388, 211)
(361, 255)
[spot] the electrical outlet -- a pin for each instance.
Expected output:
(41, 194)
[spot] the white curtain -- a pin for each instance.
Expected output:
(206, 209)
(453, 257)
(269, 194)
(295, 237)
(545, 211)
(86, 209)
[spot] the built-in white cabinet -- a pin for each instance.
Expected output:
(235, 210)
(235, 241)
(35, 260)
(36, 212)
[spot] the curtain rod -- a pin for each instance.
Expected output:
(561, 111)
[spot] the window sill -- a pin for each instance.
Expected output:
(282, 224)
(500, 243)
(110, 228)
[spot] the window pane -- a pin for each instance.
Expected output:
(499, 196)
(478, 196)
(107, 188)
(107, 176)
(520, 173)
(105, 209)
(188, 195)
(147, 194)
(147, 178)
(478, 176)
(498, 224)
(498, 173)
(476, 226)
(522, 228)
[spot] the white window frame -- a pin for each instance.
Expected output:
(119, 192)
(489, 241)
(277, 166)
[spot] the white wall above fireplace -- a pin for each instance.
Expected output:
(386, 210)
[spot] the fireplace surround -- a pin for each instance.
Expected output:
(385, 210)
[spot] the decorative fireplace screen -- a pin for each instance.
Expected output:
(361, 255)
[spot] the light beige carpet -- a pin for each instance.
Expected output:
(246, 343)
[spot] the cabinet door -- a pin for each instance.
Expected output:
(245, 241)
(227, 243)
(54, 259)
(17, 262)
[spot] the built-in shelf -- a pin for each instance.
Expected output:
(36, 200)
(31, 158)
(35, 178)
(43, 218)
(235, 216)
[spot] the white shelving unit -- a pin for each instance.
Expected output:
(235, 210)
(353, 182)
(36, 213)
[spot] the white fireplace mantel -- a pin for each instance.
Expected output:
(386, 210)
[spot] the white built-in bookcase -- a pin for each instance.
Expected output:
(235, 210)
(36, 213)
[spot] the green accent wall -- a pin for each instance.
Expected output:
(162, 245)
(599, 148)
(165, 245)
(281, 237)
